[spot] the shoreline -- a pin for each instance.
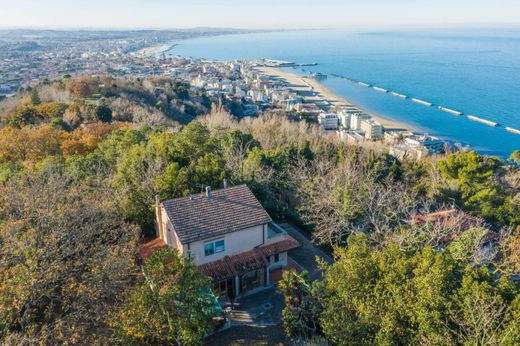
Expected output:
(324, 95)
(154, 51)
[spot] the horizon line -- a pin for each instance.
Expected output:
(352, 27)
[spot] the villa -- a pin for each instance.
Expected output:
(229, 235)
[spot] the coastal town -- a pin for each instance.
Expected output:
(247, 87)
(260, 85)
(269, 186)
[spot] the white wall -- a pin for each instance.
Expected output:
(235, 243)
(169, 236)
(282, 262)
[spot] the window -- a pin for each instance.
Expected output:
(219, 246)
(276, 258)
(214, 247)
(209, 249)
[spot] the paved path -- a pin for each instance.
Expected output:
(307, 253)
(262, 308)
(256, 320)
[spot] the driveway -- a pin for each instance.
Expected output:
(263, 308)
(306, 255)
(256, 320)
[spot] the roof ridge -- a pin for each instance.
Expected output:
(203, 194)
(229, 210)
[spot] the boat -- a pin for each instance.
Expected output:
(380, 89)
(426, 103)
(513, 130)
(483, 121)
(364, 84)
(448, 110)
(399, 95)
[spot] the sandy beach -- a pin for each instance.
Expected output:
(322, 96)
(155, 50)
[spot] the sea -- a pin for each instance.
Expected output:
(473, 71)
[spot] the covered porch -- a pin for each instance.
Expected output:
(235, 276)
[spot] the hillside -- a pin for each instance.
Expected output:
(81, 162)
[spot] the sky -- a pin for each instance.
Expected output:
(255, 14)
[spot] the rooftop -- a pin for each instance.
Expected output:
(247, 261)
(199, 217)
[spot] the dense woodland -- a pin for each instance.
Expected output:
(81, 162)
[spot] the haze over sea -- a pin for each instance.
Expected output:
(473, 71)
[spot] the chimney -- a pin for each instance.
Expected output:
(225, 183)
(208, 191)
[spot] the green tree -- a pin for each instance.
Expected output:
(104, 114)
(35, 97)
(173, 305)
(487, 311)
(515, 156)
(23, 116)
(302, 305)
(474, 178)
(389, 297)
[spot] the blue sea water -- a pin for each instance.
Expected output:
(474, 71)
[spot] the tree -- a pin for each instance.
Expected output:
(82, 89)
(474, 178)
(23, 116)
(486, 310)
(515, 156)
(51, 110)
(173, 304)
(35, 97)
(302, 306)
(386, 297)
(104, 114)
(66, 257)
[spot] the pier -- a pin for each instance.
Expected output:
(483, 121)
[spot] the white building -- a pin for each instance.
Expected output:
(257, 95)
(356, 119)
(344, 119)
(434, 145)
(372, 129)
(328, 120)
(228, 234)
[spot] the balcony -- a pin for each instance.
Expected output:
(275, 233)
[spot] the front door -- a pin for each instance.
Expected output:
(251, 280)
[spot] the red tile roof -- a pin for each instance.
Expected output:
(449, 218)
(285, 245)
(150, 246)
(456, 220)
(248, 261)
(199, 217)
